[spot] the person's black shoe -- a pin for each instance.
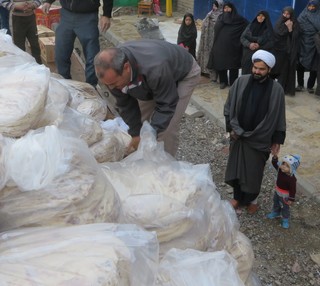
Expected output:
(311, 90)
(299, 88)
(223, 85)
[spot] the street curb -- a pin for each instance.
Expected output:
(111, 37)
(209, 113)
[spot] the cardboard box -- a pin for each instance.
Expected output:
(44, 31)
(47, 49)
(48, 19)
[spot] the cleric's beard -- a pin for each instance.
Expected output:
(259, 77)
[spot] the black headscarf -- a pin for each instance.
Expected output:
(187, 35)
(230, 18)
(291, 45)
(256, 28)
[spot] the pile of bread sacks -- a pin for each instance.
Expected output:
(75, 211)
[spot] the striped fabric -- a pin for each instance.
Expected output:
(13, 4)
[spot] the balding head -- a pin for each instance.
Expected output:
(113, 68)
(110, 58)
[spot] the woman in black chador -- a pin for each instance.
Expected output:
(258, 35)
(286, 48)
(226, 52)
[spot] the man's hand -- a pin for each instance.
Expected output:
(133, 146)
(275, 149)
(30, 7)
(233, 135)
(46, 7)
(104, 24)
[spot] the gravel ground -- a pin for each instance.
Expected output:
(282, 256)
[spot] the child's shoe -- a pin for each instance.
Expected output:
(273, 215)
(285, 223)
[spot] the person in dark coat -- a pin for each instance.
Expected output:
(255, 118)
(286, 47)
(317, 43)
(187, 34)
(226, 52)
(309, 20)
(151, 80)
(257, 35)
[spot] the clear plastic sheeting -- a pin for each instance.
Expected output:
(11, 51)
(81, 125)
(4, 142)
(57, 99)
(34, 160)
(173, 198)
(55, 180)
(94, 107)
(79, 92)
(114, 143)
(23, 93)
(191, 267)
(241, 250)
(224, 226)
(86, 255)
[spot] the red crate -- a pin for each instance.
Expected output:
(48, 19)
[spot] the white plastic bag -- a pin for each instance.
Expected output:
(170, 197)
(86, 255)
(23, 92)
(57, 99)
(34, 160)
(114, 143)
(191, 267)
(73, 189)
(81, 125)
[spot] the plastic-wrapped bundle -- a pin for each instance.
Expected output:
(96, 254)
(241, 250)
(114, 143)
(79, 92)
(23, 93)
(163, 195)
(191, 267)
(55, 180)
(224, 226)
(56, 102)
(82, 126)
(11, 51)
(4, 142)
(94, 107)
